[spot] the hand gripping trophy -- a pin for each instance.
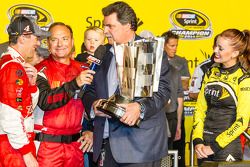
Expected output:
(138, 72)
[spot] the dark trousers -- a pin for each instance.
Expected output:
(172, 123)
(91, 162)
(180, 146)
(106, 159)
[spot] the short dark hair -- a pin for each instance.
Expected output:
(169, 35)
(13, 39)
(125, 14)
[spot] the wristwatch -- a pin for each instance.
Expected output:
(142, 109)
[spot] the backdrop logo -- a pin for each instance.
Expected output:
(190, 24)
(99, 23)
(43, 18)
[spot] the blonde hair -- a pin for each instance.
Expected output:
(96, 29)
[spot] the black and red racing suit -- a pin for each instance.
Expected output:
(63, 113)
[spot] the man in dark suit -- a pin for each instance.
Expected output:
(118, 142)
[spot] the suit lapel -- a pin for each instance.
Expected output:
(104, 71)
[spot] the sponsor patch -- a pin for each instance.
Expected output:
(245, 89)
(19, 99)
(19, 82)
(19, 92)
(19, 73)
(20, 107)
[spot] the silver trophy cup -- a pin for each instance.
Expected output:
(138, 69)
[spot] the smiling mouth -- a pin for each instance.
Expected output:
(216, 56)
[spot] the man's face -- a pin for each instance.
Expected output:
(171, 47)
(30, 43)
(114, 28)
(60, 42)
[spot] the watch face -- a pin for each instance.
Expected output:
(142, 108)
(119, 112)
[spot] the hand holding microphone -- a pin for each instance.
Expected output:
(87, 75)
(96, 60)
(85, 78)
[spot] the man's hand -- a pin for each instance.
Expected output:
(132, 113)
(97, 112)
(85, 77)
(86, 141)
(30, 160)
(31, 73)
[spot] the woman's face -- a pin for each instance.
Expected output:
(225, 53)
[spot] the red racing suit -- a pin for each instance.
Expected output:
(63, 113)
(17, 99)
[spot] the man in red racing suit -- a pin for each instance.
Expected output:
(16, 119)
(59, 80)
(18, 95)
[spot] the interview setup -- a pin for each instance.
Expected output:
(138, 73)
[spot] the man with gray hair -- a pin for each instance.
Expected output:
(119, 142)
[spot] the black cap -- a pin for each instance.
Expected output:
(23, 26)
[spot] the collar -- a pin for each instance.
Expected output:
(15, 55)
(229, 70)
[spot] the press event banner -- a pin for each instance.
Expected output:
(195, 21)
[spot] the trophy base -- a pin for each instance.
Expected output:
(112, 109)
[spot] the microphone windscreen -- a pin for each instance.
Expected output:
(100, 52)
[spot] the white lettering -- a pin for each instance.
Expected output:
(190, 21)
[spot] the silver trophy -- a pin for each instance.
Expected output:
(138, 69)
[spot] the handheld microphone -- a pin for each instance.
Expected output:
(96, 61)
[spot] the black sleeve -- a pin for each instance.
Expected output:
(50, 99)
(87, 125)
(89, 97)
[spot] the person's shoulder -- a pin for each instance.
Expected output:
(108, 46)
(8, 61)
(205, 62)
(245, 75)
(179, 58)
(42, 64)
(82, 57)
(205, 65)
(76, 63)
(5, 58)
